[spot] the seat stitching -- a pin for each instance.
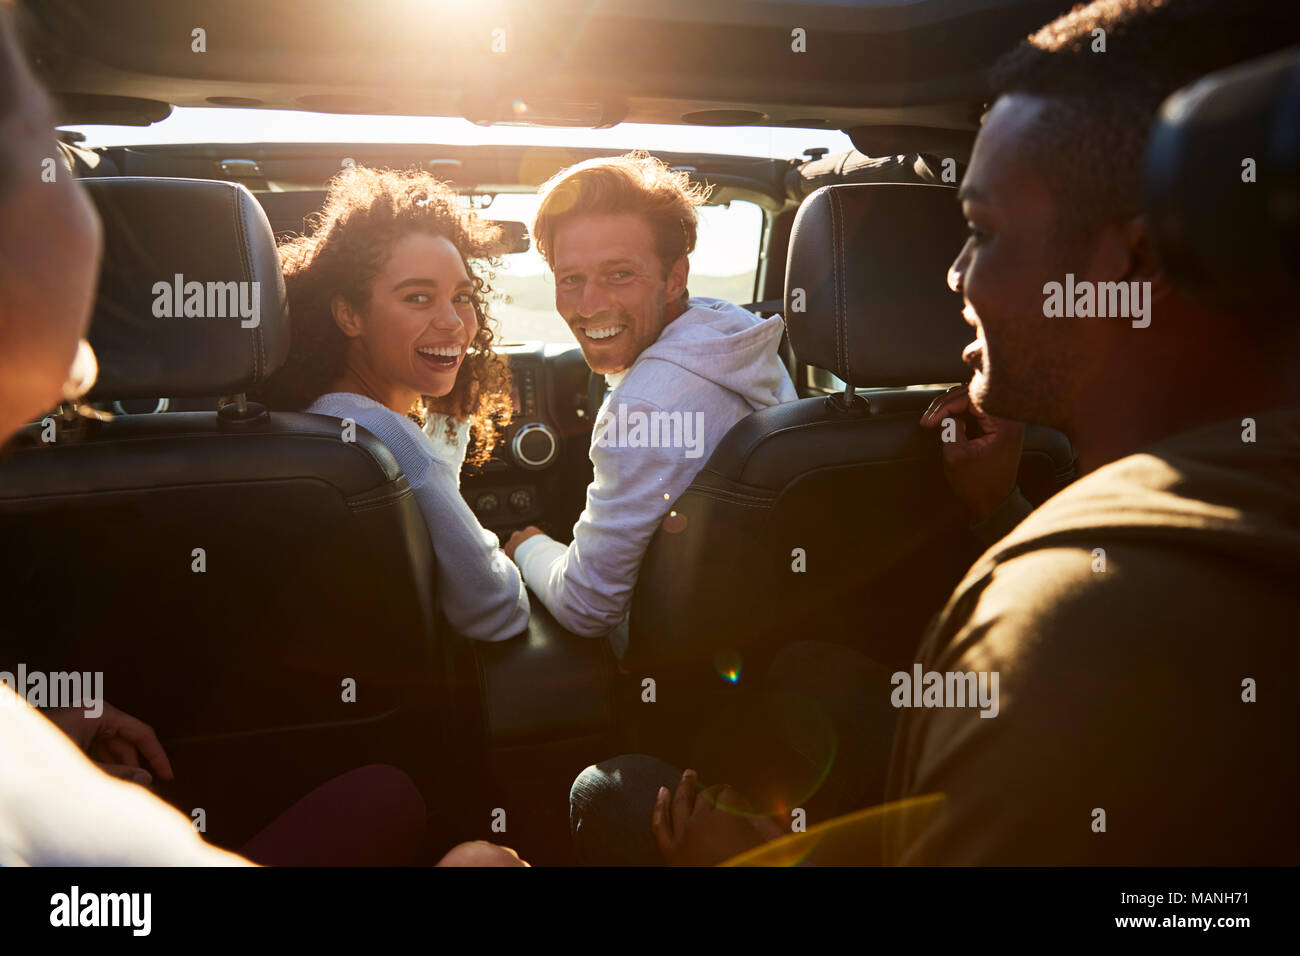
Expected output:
(354, 447)
(722, 496)
(710, 490)
(377, 503)
(395, 487)
(247, 257)
(841, 334)
(832, 206)
(844, 295)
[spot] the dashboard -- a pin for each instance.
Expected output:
(537, 464)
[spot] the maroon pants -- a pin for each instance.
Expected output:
(371, 816)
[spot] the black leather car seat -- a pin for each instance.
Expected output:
(830, 518)
(228, 572)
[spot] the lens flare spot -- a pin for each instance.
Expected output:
(519, 107)
(728, 664)
(675, 522)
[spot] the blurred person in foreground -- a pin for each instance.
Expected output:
(57, 807)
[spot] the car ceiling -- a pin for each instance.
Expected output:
(897, 75)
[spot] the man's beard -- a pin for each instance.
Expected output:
(1033, 395)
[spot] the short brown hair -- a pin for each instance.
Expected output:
(636, 183)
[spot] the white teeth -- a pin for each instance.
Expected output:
(448, 351)
(608, 332)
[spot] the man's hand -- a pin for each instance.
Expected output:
(518, 538)
(982, 462)
(707, 829)
(115, 741)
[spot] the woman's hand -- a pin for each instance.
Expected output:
(982, 462)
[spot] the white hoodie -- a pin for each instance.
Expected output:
(713, 365)
(59, 809)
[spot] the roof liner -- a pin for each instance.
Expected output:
(558, 62)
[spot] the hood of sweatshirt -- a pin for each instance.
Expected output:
(727, 345)
(1229, 490)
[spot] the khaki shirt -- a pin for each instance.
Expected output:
(1144, 624)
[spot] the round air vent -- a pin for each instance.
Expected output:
(535, 445)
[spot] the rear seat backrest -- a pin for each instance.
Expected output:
(821, 519)
(316, 563)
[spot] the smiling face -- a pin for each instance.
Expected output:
(413, 335)
(1027, 366)
(611, 288)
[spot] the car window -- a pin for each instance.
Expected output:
(723, 266)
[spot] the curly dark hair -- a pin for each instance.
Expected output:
(1091, 138)
(366, 211)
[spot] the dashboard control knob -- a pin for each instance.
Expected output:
(487, 504)
(535, 445)
(521, 500)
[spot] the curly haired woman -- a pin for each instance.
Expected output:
(390, 329)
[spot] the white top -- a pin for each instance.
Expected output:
(710, 367)
(480, 590)
(59, 809)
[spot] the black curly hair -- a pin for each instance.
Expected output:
(1091, 137)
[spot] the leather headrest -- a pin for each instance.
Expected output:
(868, 264)
(191, 300)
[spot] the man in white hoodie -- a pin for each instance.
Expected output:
(617, 233)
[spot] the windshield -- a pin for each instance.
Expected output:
(725, 261)
(218, 125)
(723, 266)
